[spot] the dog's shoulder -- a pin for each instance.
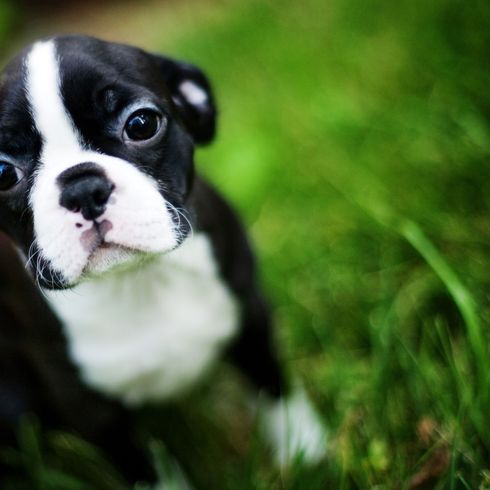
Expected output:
(217, 219)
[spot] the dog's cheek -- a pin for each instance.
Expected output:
(140, 216)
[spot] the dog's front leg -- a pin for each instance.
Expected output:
(287, 417)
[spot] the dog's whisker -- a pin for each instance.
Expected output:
(183, 214)
(178, 228)
(30, 255)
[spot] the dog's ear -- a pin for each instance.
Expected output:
(193, 97)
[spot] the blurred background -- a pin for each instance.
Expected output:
(354, 139)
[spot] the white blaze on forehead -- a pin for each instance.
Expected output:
(43, 91)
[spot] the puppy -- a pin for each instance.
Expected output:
(144, 264)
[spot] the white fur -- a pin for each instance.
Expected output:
(50, 116)
(294, 429)
(151, 332)
(148, 332)
(138, 333)
(139, 215)
(193, 93)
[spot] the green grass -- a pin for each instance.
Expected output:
(354, 138)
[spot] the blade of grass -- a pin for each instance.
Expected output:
(460, 294)
(370, 196)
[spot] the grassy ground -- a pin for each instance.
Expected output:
(354, 139)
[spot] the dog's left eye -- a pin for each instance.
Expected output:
(9, 176)
(142, 125)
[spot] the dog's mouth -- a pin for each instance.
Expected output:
(111, 247)
(94, 237)
(106, 255)
(108, 245)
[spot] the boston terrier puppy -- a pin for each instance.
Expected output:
(144, 264)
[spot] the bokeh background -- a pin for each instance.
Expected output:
(354, 140)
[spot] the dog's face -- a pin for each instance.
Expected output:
(96, 154)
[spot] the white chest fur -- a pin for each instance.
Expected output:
(151, 332)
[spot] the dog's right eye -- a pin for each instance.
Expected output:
(142, 125)
(9, 176)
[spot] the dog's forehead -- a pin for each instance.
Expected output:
(88, 66)
(83, 56)
(82, 64)
(52, 87)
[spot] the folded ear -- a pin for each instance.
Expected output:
(193, 97)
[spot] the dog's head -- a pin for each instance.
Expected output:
(96, 154)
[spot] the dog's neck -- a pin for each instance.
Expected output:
(149, 332)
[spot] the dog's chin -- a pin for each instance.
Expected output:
(106, 259)
(111, 257)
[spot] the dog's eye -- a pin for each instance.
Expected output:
(142, 125)
(9, 176)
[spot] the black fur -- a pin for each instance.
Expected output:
(99, 81)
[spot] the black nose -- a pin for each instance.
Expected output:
(86, 189)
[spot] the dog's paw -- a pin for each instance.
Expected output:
(294, 429)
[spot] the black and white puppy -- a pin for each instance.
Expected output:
(144, 263)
